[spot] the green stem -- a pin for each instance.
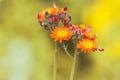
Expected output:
(73, 67)
(55, 63)
(74, 62)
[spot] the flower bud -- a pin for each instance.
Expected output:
(47, 15)
(56, 19)
(40, 17)
(100, 49)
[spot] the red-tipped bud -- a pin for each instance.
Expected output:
(100, 49)
(56, 19)
(65, 9)
(40, 17)
(65, 21)
(70, 25)
(89, 28)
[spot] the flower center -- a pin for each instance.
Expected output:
(88, 44)
(62, 33)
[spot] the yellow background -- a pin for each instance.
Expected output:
(26, 50)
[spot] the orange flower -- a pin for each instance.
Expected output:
(87, 45)
(61, 33)
(82, 28)
(89, 35)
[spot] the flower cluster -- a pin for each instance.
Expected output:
(57, 21)
(51, 17)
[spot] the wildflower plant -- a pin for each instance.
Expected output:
(58, 22)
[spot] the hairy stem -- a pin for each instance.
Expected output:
(73, 67)
(55, 63)
(74, 62)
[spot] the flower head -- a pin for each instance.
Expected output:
(87, 45)
(80, 29)
(89, 35)
(61, 33)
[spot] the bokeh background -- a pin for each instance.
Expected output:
(26, 50)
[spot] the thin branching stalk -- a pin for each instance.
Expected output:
(66, 51)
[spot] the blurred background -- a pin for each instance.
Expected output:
(26, 50)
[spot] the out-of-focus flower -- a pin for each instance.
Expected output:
(87, 45)
(61, 33)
